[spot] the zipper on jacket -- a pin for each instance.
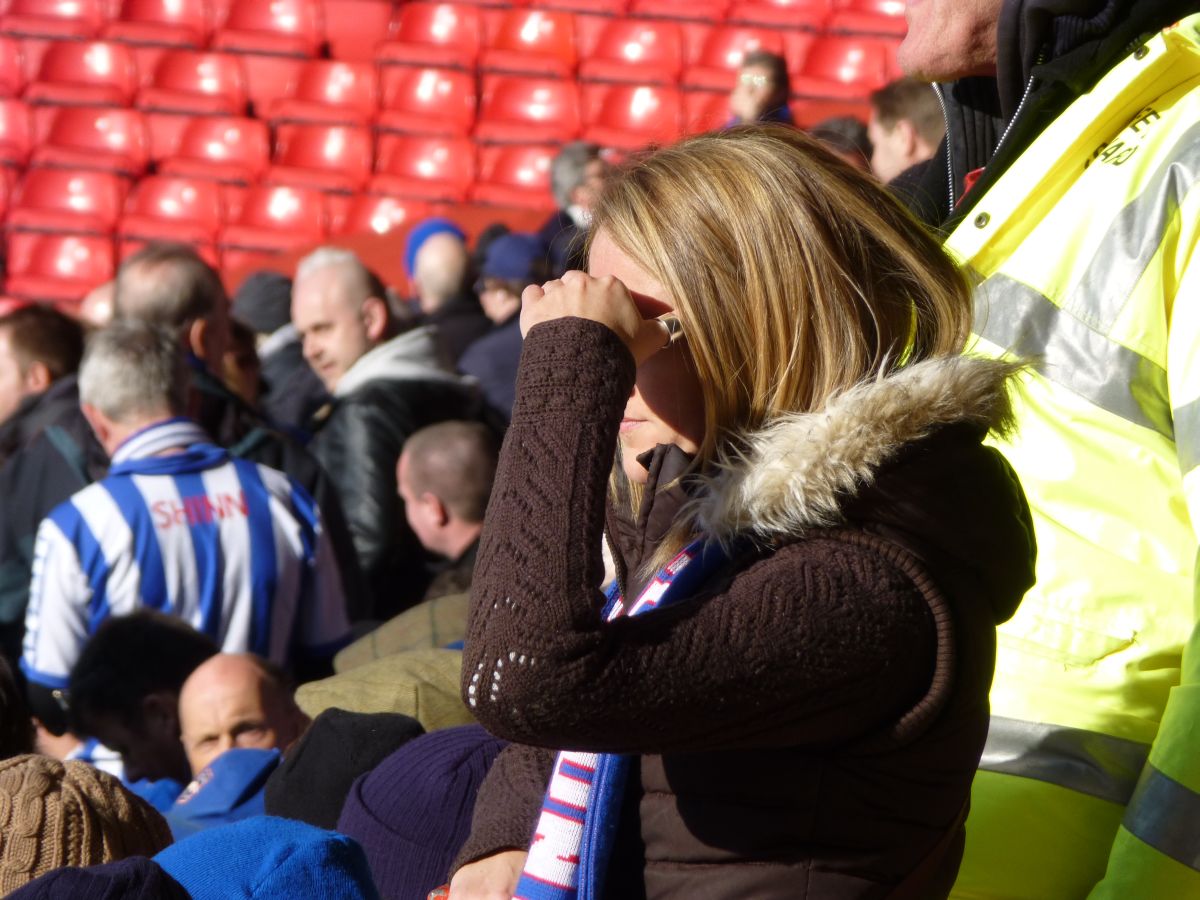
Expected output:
(937, 90)
(1041, 58)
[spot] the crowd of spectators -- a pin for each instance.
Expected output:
(667, 550)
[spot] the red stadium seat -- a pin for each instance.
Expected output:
(83, 137)
(515, 175)
(699, 10)
(877, 17)
(57, 268)
(792, 14)
(161, 23)
(187, 81)
(161, 208)
(16, 133)
(52, 19)
(12, 75)
(332, 93)
(328, 157)
(63, 200)
(705, 111)
(280, 27)
(628, 117)
(433, 34)
(221, 149)
(532, 42)
(592, 7)
(636, 50)
(427, 101)
(273, 219)
(83, 73)
(527, 110)
(353, 28)
(371, 214)
(721, 55)
(845, 67)
(424, 168)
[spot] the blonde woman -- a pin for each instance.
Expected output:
(787, 695)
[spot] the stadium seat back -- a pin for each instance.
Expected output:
(723, 51)
(63, 200)
(85, 72)
(434, 34)
(515, 109)
(189, 81)
(59, 268)
(291, 27)
(636, 50)
(424, 167)
(163, 208)
(810, 15)
(515, 175)
(838, 63)
(168, 23)
(12, 73)
(16, 132)
(331, 91)
(330, 157)
(53, 19)
(96, 138)
(224, 149)
(373, 214)
(627, 116)
(695, 10)
(353, 28)
(427, 101)
(534, 41)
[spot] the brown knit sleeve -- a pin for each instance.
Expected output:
(817, 641)
(508, 803)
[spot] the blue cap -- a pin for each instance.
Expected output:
(228, 789)
(270, 858)
(423, 231)
(515, 257)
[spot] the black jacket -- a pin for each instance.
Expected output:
(459, 322)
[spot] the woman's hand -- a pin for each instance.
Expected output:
(604, 300)
(493, 877)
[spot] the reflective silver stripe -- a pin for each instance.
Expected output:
(1135, 236)
(1014, 316)
(1084, 761)
(1166, 815)
(1187, 435)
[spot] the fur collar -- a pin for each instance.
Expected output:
(793, 474)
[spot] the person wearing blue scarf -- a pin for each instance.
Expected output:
(784, 692)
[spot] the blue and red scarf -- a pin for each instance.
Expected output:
(571, 845)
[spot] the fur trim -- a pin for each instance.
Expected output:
(790, 476)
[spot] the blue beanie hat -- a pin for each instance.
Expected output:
(412, 813)
(135, 878)
(515, 257)
(423, 231)
(268, 858)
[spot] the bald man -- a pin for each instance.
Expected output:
(236, 700)
(387, 381)
(440, 284)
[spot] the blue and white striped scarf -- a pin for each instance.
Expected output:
(571, 845)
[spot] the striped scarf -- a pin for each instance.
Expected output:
(569, 854)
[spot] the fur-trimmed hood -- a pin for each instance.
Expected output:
(902, 456)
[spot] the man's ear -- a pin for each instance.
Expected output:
(437, 509)
(375, 318)
(906, 134)
(37, 377)
(98, 421)
(196, 338)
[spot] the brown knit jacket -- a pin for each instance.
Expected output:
(808, 725)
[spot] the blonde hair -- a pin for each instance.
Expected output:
(794, 275)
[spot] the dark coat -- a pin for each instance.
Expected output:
(564, 241)
(460, 322)
(810, 723)
(492, 360)
(292, 392)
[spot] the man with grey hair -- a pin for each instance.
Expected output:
(387, 380)
(234, 548)
(576, 180)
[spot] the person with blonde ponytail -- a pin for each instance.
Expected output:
(757, 396)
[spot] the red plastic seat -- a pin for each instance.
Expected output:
(427, 168)
(161, 23)
(636, 50)
(332, 93)
(52, 19)
(532, 42)
(187, 81)
(715, 68)
(807, 14)
(589, 7)
(328, 157)
(353, 28)
(232, 150)
(515, 175)
(699, 10)
(82, 73)
(62, 200)
(161, 208)
(628, 116)
(57, 268)
(273, 219)
(527, 110)
(845, 67)
(12, 74)
(95, 138)
(433, 34)
(427, 101)
(16, 133)
(373, 214)
(281, 27)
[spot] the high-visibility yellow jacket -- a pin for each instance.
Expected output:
(1087, 251)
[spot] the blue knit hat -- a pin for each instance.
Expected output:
(269, 858)
(423, 231)
(412, 813)
(515, 257)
